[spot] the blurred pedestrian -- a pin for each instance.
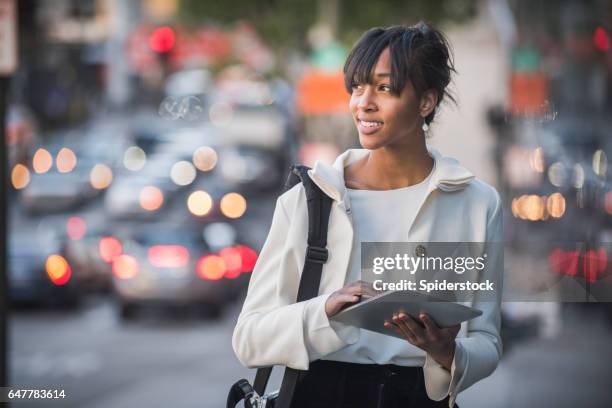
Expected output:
(395, 189)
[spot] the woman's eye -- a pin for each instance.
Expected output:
(357, 87)
(384, 88)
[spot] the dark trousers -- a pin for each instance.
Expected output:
(333, 384)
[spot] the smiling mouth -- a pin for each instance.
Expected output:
(370, 124)
(368, 127)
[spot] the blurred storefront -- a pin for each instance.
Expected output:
(553, 143)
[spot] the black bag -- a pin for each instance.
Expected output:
(319, 208)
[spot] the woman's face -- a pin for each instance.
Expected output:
(383, 118)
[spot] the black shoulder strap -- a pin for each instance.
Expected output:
(319, 208)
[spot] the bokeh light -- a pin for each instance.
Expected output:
(151, 198)
(608, 202)
(168, 256)
(42, 161)
(199, 203)
(538, 208)
(233, 262)
(183, 173)
(578, 175)
(211, 267)
(76, 227)
(134, 158)
(221, 114)
(109, 248)
(125, 267)
(555, 204)
(101, 176)
(233, 205)
(162, 39)
(536, 160)
(20, 176)
(600, 163)
(219, 234)
(515, 208)
(557, 174)
(58, 269)
(205, 158)
(534, 207)
(601, 39)
(248, 256)
(66, 160)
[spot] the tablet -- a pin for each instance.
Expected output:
(370, 314)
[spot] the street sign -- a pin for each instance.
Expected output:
(8, 37)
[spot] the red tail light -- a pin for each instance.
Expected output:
(233, 262)
(110, 248)
(58, 270)
(211, 267)
(168, 256)
(249, 257)
(601, 39)
(125, 267)
(594, 262)
(563, 262)
(76, 227)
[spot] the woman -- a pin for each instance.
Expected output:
(394, 189)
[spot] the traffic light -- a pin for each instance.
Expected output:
(162, 40)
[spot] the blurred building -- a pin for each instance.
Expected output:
(62, 74)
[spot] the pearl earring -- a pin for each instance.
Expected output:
(425, 127)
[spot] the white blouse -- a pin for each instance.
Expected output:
(381, 216)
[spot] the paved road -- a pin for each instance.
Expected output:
(570, 368)
(167, 360)
(159, 361)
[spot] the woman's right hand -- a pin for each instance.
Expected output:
(351, 293)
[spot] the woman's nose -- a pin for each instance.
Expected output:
(366, 100)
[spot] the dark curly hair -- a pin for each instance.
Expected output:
(419, 53)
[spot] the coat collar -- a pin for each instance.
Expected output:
(448, 174)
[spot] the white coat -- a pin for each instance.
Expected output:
(273, 329)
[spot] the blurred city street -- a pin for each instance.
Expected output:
(148, 140)
(181, 361)
(175, 360)
(570, 369)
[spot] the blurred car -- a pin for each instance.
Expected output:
(188, 82)
(241, 86)
(251, 168)
(38, 272)
(123, 198)
(216, 188)
(248, 110)
(104, 143)
(146, 128)
(168, 264)
(89, 250)
(56, 189)
(553, 174)
(265, 127)
(143, 193)
(129, 195)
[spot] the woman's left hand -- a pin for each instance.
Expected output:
(424, 333)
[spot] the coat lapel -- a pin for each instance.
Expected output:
(448, 176)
